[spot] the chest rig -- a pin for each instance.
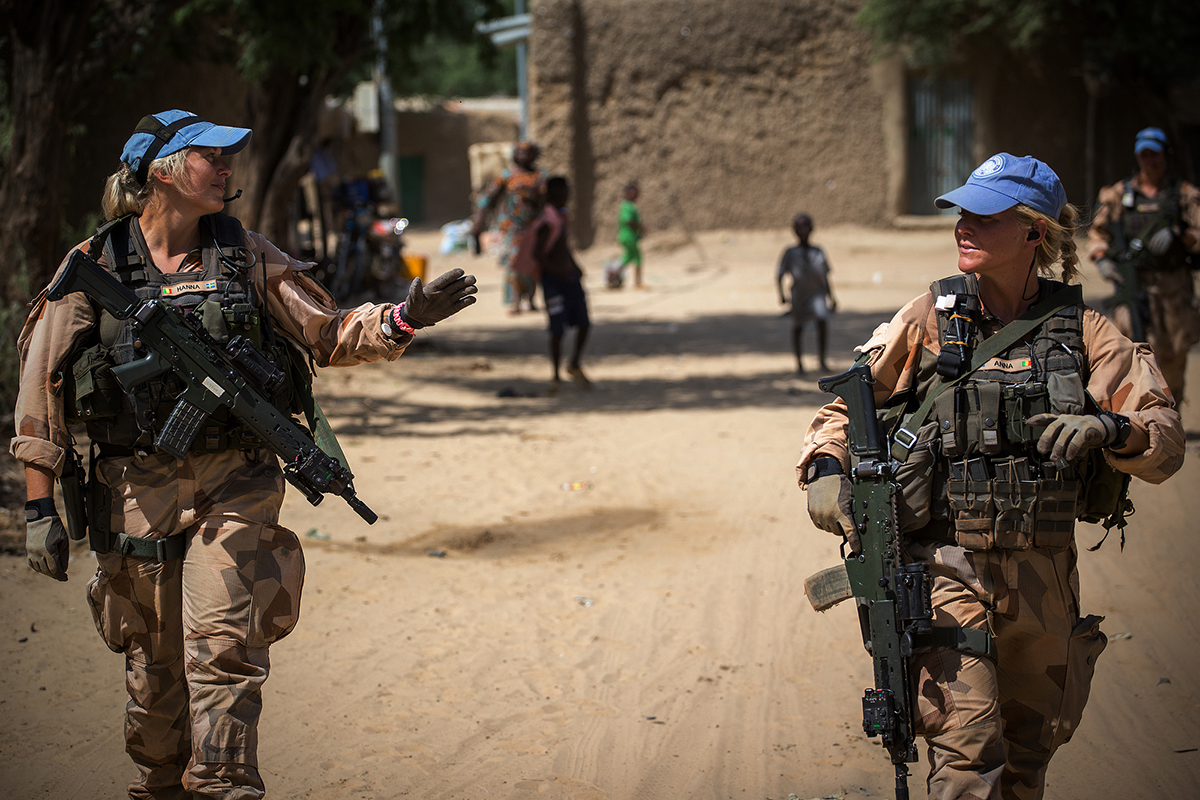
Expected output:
(991, 485)
(221, 296)
(1141, 218)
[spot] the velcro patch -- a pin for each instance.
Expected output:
(1009, 364)
(194, 286)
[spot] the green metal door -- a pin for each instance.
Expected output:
(412, 188)
(941, 134)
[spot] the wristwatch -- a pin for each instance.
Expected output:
(820, 467)
(1123, 429)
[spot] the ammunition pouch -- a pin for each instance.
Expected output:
(1011, 504)
(91, 389)
(1106, 492)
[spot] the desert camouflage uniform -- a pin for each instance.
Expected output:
(992, 729)
(1174, 323)
(195, 631)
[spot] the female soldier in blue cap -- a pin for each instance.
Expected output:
(994, 479)
(197, 578)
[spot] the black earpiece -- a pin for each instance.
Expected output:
(1033, 234)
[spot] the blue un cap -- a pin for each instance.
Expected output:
(160, 135)
(1004, 180)
(1150, 139)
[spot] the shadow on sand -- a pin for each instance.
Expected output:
(715, 336)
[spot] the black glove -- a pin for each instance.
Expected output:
(829, 508)
(46, 547)
(1160, 242)
(1068, 435)
(445, 295)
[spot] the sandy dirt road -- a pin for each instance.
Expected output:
(641, 634)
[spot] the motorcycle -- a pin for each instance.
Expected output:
(369, 261)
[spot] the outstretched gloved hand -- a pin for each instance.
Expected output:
(829, 508)
(1109, 270)
(46, 547)
(445, 295)
(1068, 435)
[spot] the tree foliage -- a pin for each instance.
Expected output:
(293, 60)
(1152, 42)
(56, 55)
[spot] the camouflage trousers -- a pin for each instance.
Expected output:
(1174, 324)
(195, 631)
(991, 727)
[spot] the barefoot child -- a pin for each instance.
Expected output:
(547, 246)
(812, 297)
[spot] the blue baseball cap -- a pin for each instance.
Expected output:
(160, 135)
(1004, 180)
(1150, 139)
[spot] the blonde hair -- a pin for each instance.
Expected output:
(1058, 245)
(124, 196)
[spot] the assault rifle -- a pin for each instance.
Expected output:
(1129, 256)
(1128, 293)
(234, 375)
(894, 599)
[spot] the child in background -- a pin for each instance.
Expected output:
(812, 297)
(629, 232)
(546, 245)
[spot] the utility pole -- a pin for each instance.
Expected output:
(522, 76)
(388, 162)
(513, 30)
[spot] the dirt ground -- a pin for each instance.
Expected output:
(598, 596)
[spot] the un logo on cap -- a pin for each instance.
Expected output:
(989, 167)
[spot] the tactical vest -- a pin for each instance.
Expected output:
(221, 296)
(988, 486)
(1142, 217)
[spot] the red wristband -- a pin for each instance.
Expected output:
(399, 324)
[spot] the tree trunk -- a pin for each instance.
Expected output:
(284, 115)
(45, 92)
(283, 110)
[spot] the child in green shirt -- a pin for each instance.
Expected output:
(629, 232)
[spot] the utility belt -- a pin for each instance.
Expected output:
(89, 505)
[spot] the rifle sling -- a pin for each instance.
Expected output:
(906, 436)
(322, 432)
(161, 550)
(971, 641)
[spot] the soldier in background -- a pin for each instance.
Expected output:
(1143, 237)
